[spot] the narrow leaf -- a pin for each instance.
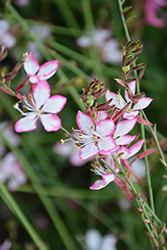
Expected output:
(143, 121)
(126, 9)
(130, 18)
(130, 62)
(121, 82)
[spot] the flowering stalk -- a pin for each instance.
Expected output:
(141, 204)
(142, 127)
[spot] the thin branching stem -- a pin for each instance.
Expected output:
(142, 126)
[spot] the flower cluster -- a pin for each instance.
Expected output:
(38, 102)
(104, 132)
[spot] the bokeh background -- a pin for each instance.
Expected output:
(86, 36)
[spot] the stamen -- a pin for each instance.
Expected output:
(63, 141)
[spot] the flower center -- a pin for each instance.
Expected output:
(38, 112)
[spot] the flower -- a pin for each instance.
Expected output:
(120, 103)
(70, 150)
(5, 37)
(95, 241)
(121, 129)
(22, 3)
(7, 132)
(11, 170)
(45, 71)
(6, 245)
(151, 7)
(42, 107)
(108, 48)
(94, 139)
(138, 167)
(107, 175)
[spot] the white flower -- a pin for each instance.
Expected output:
(42, 107)
(5, 36)
(100, 39)
(95, 241)
(11, 171)
(94, 139)
(7, 132)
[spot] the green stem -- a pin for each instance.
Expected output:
(142, 126)
(134, 190)
(155, 138)
(18, 212)
(123, 21)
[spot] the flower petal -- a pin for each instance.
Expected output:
(30, 64)
(117, 100)
(109, 242)
(41, 93)
(107, 145)
(126, 152)
(88, 151)
(84, 41)
(142, 103)
(84, 121)
(101, 115)
(106, 179)
(34, 78)
(136, 147)
(130, 115)
(124, 127)
(27, 123)
(105, 127)
(50, 122)
(48, 69)
(54, 104)
(125, 139)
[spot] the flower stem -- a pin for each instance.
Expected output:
(142, 126)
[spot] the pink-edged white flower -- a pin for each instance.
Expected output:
(5, 36)
(94, 138)
(70, 150)
(45, 71)
(120, 103)
(100, 39)
(11, 171)
(43, 107)
(95, 241)
(121, 130)
(107, 175)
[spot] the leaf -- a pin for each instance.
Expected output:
(126, 9)
(121, 82)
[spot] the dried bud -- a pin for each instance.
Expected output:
(95, 90)
(133, 48)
